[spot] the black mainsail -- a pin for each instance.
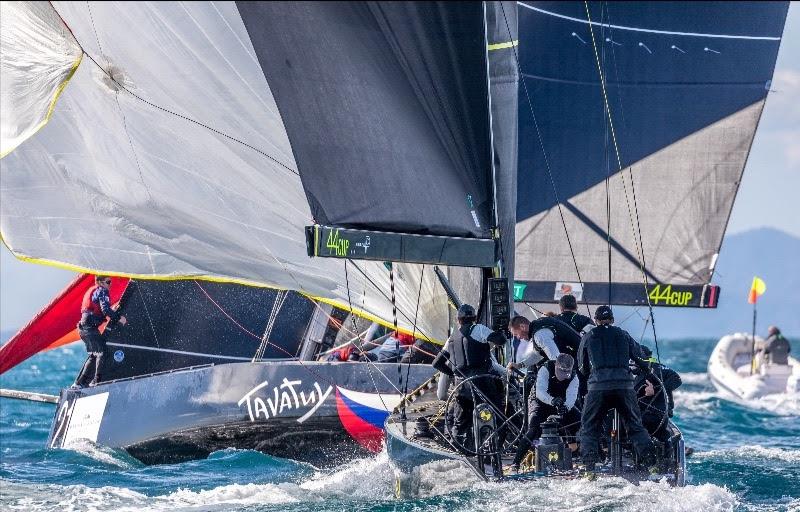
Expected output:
(643, 170)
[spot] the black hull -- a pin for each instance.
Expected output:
(314, 412)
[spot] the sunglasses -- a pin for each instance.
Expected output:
(107, 281)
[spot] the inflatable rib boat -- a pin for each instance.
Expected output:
(737, 378)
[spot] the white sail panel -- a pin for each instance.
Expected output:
(167, 158)
(39, 57)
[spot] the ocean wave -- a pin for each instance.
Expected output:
(696, 401)
(752, 452)
(695, 378)
(456, 489)
(604, 494)
(109, 456)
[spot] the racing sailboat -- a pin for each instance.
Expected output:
(635, 123)
(219, 146)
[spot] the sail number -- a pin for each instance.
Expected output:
(668, 297)
(337, 245)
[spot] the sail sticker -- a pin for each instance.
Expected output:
(85, 419)
(668, 296)
(119, 356)
(564, 288)
(336, 245)
(519, 291)
(288, 396)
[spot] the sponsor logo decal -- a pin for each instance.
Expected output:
(119, 356)
(337, 245)
(669, 296)
(287, 396)
(563, 288)
(83, 418)
(519, 290)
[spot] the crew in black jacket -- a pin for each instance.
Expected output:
(656, 404)
(570, 316)
(603, 358)
(468, 350)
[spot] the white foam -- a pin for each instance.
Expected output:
(104, 454)
(695, 401)
(695, 378)
(782, 404)
(372, 481)
(752, 452)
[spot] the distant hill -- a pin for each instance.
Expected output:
(768, 253)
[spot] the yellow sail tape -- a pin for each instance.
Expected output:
(216, 279)
(52, 105)
(501, 46)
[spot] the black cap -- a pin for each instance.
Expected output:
(603, 313)
(647, 352)
(466, 311)
(564, 365)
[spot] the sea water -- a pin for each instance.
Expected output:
(746, 458)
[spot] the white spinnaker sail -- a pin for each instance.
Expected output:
(168, 158)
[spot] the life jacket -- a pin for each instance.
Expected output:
(469, 356)
(91, 313)
(557, 388)
(575, 320)
(88, 304)
(566, 338)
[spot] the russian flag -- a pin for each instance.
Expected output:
(363, 415)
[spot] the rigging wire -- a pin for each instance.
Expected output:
(544, 152)
(414, 329)
(281, 349)
(635, 229)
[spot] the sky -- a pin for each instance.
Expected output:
(768, 195)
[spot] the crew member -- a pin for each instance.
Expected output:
(550, 335)
(556, 392)
(603, 358)
(469, 351)
(655, 402)
(95, 307)
(776, 347)
(570, 316)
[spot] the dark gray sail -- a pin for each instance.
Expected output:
(405, 84)
(685, 86)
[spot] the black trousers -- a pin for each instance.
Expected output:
(464, 405)
(96, 347)
(596, 406)
(539, 414)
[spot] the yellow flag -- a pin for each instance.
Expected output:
(756, 290)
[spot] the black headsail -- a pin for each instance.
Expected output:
(385, 108)
(643, 171)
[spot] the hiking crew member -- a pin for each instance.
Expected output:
(603, 358)
(556, 392)
(570, 316)
(656, 403)
(95, 307)
(468, 350)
